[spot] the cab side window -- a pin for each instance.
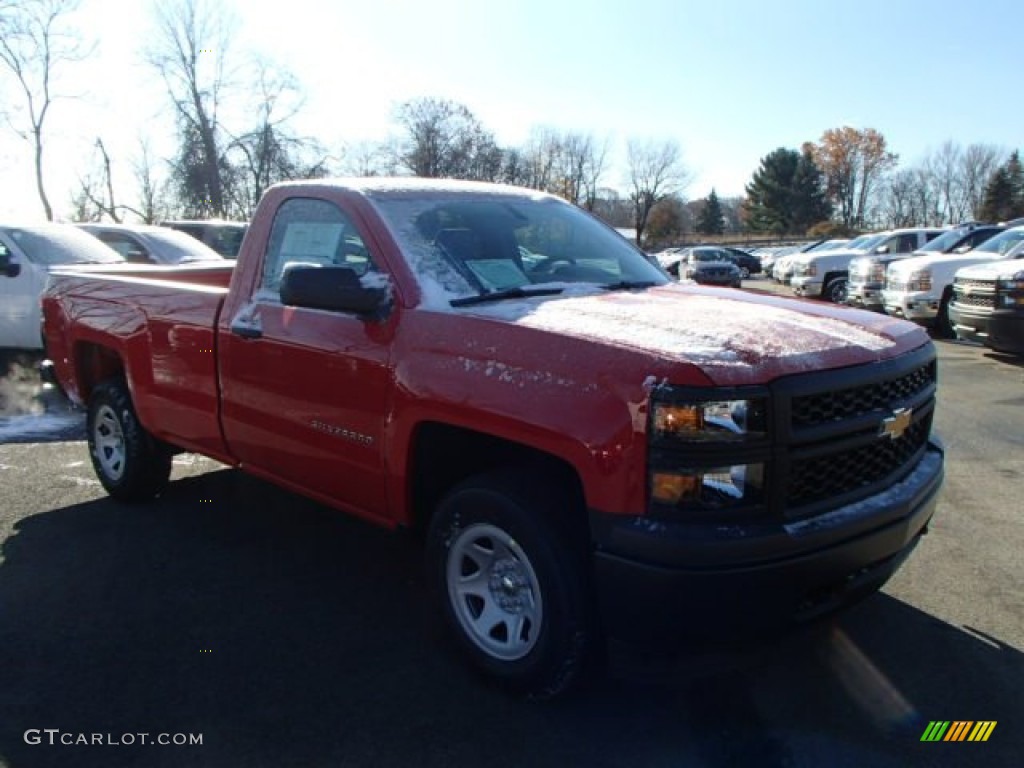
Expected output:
(127, 247)
(907, 243)
(314, 233)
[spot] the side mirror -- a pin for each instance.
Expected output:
(9, 268)
(882, 249)
(337, 289)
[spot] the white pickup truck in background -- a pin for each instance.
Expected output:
(26, 256)
(826, 275)
(921, 288)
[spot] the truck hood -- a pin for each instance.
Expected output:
(1002, 268)
(732, 337)
(944, 264)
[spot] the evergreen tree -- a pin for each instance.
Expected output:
(786, 194)
(1004, 194)
(711, 221)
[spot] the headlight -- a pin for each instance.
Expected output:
(920, 280)
(721, 421)
(710, 487)
(707, 456)
(1012, 283)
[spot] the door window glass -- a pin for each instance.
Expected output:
(312, 233)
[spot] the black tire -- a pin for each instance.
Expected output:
(130, 463)
(509, 577)
(835, 291)
(943, 325)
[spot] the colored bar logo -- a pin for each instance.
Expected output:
(958, 730)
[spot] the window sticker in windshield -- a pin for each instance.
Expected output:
(497, 274)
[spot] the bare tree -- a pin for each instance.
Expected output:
(369, 158)
(152, 204)
(979, 162)
(270, 152)
(655, 170)
(34, 46)
(443, 139)
(190, 53)
(95, 196)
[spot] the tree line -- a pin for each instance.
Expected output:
(234, 116)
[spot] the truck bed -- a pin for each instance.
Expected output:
(161, 322)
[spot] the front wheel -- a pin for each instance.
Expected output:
(129, 462)
(835, 291)
(510, 579)
(943, 325)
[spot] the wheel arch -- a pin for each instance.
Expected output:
(443, 455)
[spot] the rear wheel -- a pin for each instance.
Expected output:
(835, 291)
(129, 462)
(510, 580)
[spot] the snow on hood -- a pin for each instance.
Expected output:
(732, 336)
(944, 262)
(1002, 268)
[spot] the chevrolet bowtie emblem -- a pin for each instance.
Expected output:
(897, 424)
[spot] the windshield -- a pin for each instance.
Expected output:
(61, 244)
(176, 247)
(944, 243)
(702, 254)
(858, 242)
(466, 244)
(831, 245)
(867, 242)
(1001, 243)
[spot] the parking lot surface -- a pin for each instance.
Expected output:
(287, 634)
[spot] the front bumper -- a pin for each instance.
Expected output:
(806, 286)
(921, 308)
(1002, 330)
(864, 295)
(666, 582)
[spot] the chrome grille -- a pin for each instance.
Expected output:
(976, 300)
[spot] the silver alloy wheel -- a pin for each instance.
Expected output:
(108, 439)
(494, 592)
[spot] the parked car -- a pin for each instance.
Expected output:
(826, 274)
(141, 244)
(988, 303)
(921, 288)
(747, 262)
(27, 254)
(708, 265)
(628, 458)
(225, 237)
(782, 269)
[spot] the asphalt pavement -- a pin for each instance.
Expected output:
(283, 633)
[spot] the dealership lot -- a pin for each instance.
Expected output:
(287, 634)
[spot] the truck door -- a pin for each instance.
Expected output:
(305, 391)
(21, 285)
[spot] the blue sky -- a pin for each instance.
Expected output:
(729, 81)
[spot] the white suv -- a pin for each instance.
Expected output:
(921, 288)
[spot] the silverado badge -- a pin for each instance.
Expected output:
(897, 424)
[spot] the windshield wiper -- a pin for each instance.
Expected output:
(508, 293)
(629, 285)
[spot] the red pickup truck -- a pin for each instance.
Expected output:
(590, 448)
